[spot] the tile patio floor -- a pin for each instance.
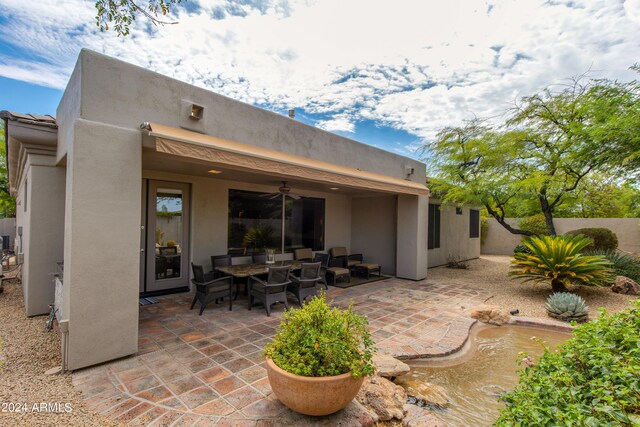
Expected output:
(208, 370)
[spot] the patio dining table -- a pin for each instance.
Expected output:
(241, 271)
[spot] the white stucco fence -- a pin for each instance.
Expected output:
(498, 241)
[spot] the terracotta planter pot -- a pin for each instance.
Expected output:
(312, 395)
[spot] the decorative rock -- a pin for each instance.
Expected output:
(624, 285)
(383, 398)
(421, 417)
(389, 367)
(491, 314)
(432, 395)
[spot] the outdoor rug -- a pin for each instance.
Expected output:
(148, 300)
(356, 281)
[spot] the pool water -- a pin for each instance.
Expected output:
(475, 380)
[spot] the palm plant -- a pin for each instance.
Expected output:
(557, 260)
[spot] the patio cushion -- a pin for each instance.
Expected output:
(304, 253)
(338, 271)
(368, 266)
(353, 262)
(338, 251)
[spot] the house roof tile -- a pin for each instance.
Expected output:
(32, 119)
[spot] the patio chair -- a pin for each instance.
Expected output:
(332, 269)
(304, 254)
(260, 258)
(219, 261)
(350, 260)
(271, 291)
(305, 284)
(209, 288)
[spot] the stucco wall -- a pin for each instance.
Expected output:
(141, 95)
(42, 231)
(411, 238)
(101, 247)
(373, 230)
(454, 237)
(499, 241)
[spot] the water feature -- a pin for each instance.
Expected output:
(476, 378)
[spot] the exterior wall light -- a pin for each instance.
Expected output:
(197, 112)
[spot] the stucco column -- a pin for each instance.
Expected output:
(411, 252)
(102, 243)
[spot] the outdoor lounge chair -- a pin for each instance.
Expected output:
(209, 288)
(271, 291)
(332, 269)
(305, 284)
(350, 260)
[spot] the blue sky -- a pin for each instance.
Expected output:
(387, 73)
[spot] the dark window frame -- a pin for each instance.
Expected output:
(474, 223)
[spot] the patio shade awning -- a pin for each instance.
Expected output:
(184, 143)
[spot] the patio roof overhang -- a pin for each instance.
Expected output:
(188, 144)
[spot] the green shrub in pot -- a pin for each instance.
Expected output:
(318, 340)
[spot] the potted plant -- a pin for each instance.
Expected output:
(319, 357)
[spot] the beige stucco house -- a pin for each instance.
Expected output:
(140, 174)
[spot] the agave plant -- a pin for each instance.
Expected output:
(558, 261)
(567, 306)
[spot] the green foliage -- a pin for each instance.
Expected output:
(122, 13)
(603, 238)
(484, 229)
(454, 261)
(567, 306)
(622, 264)
(171, 243)
(591, 380)
(318, 340)
(7, 202)
(558, 261)
(536, 224)
(537, 159)
(259, 237)
(522, 249)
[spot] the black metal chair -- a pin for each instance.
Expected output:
(209, 288)
(350, 260)
(305, 284)
(271, 291)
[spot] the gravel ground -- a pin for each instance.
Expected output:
(28, 351)
(490, 273)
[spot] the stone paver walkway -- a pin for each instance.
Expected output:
(208, 370)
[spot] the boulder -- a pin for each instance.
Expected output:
(382, 397)
(491, 314)
(417, 416)
(389, 367)
(432, 395)
(624, 285)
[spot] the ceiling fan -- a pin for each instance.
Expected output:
(283, 191)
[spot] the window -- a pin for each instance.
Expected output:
(474, 223)
(255, 222)
(433, 237)
(458, 210)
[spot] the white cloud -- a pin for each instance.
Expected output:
(415, 66)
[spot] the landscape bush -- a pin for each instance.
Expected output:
(318, 340)
(558, 260)
(603, 238)
(522, 249)
(622, 264)
(591, 380)
(536, 224)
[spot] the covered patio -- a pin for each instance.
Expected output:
(208, 370)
